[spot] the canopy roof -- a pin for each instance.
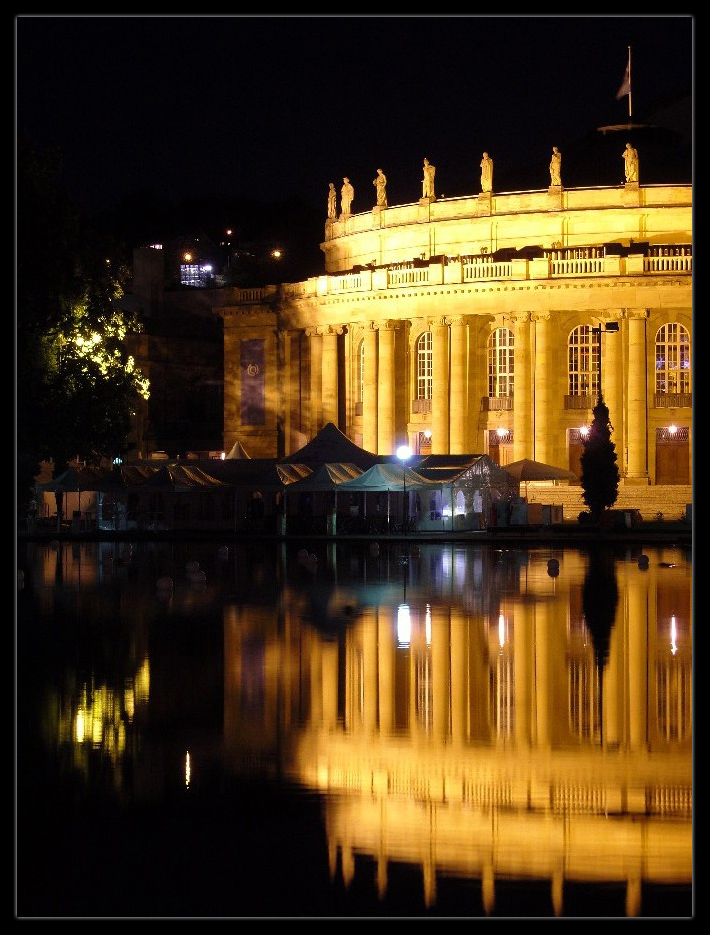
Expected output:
(451, 469)
(327, 477)
(279, 476)
(238, 451)
(181, 478)
(388, 476)
(527, 470)
(331, 446)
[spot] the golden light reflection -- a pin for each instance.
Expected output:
(188, 770)
(404, 625)
(674, 646)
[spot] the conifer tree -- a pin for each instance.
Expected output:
(600, 473)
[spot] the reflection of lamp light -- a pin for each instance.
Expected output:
(674, 647)
(501, 432)
(427, 625)
(188, 771)
(672, 429)
(501, 630)
(427, 433)
(404, 625)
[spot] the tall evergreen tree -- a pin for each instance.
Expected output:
(600, 473)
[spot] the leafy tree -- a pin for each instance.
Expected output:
(600, 473)
(76, 384)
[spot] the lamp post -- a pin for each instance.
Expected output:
(403, 453)
(607, 326)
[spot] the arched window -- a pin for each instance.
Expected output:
(673, 359)
(425, 367)
(583, 362)
(500, 363)
(361, 372)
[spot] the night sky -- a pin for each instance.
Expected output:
(275, 107)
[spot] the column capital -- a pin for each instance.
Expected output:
(440, 321)
(635, 313)
(312, 332)
(540, 316)
(386, 324)
(455, 320)
(331, 329)
(520, 317)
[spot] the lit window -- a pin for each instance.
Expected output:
(425, 366)
(672, 359)
(583, 362)
(500, 363)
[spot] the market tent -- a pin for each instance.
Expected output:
(326, 477)
(386, 476)
(331, 446)
(180, 478)
(75, 478)
(528, 470)
(279, 476)
(238, 451)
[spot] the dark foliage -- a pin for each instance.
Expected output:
(600, 472)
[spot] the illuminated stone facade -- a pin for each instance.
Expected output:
(480, 324)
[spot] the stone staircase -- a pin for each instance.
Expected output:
(670, 500)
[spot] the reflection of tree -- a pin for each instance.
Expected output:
(600, 595)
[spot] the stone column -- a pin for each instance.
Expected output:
(543, 373)
(521, 670)
(385, 670)
(369, 401)
(637, 587)
(315, 345)
(459, 668)
(369, 649)
(612, 378)
(543, 680)
(385, 394)
(522, 408)
(329, 669)
(636, 414)
(440, 387)
(329, 376)
(440, 669)
(459, 409)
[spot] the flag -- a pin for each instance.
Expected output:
(626, 83)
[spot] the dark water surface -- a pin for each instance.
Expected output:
(360, 730)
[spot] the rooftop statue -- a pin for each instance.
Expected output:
(380, 184)
(428, 180)
(486, 173)
(347, 193)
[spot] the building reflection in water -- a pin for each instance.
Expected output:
(471, 712)
(491, 721)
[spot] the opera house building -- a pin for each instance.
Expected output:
(485, 323)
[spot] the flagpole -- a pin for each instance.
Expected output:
(629, 70)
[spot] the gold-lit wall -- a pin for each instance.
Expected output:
(396, 273)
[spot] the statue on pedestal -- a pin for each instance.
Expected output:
(556, 167)
(428, 180)
(332, 206)
(631, 163)
(380, 184)
(347, 193)
(486, 173)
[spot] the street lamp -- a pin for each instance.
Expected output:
(608, 326)
(404, 452)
